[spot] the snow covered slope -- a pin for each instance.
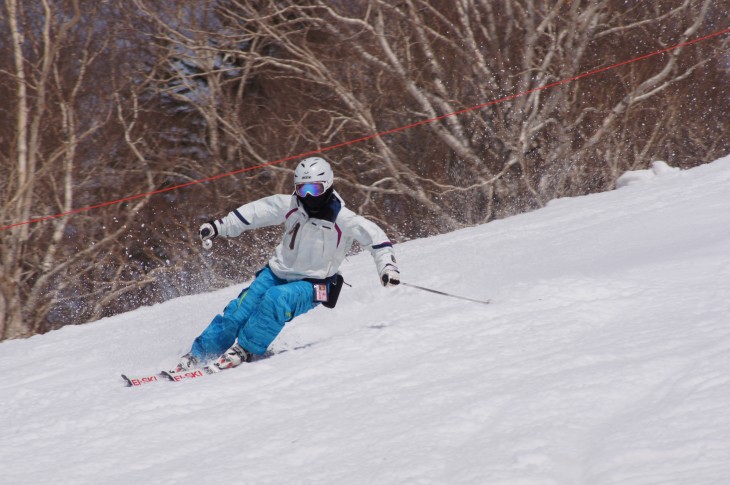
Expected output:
(603, 359)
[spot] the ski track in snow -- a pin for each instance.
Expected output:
(603, 359)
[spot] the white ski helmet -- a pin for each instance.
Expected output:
(313, 176)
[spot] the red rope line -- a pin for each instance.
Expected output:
(370, 137)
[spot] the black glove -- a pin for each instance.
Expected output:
(390, 276)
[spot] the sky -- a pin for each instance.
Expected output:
(602, 359)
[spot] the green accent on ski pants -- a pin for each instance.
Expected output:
(256, 316)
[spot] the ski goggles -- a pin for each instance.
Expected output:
(310, 188)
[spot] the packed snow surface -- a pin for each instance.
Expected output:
(604, 358)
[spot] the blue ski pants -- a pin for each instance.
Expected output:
(256, 317)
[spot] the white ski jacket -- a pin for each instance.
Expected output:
(311, 248)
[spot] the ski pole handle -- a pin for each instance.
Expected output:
(207, 232)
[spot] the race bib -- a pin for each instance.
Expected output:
(320, 292)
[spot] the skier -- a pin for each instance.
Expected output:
(302, 273)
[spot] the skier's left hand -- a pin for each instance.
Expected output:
(390, 276)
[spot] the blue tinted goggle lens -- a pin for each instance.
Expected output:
(313, 188)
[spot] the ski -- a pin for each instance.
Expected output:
(136, 381)
(131, 380)
(164, 376)
(181, 376)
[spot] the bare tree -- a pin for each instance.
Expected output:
(396, 62)
(33, 83)
(54, 160)
(169, 92)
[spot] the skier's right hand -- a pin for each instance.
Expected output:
(208, 231)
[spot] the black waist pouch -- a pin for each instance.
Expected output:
(327, 291)
(333, 290)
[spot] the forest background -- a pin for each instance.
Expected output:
(109, 99)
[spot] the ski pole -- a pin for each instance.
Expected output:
(486, 302)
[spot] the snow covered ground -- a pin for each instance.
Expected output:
(603, 359)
